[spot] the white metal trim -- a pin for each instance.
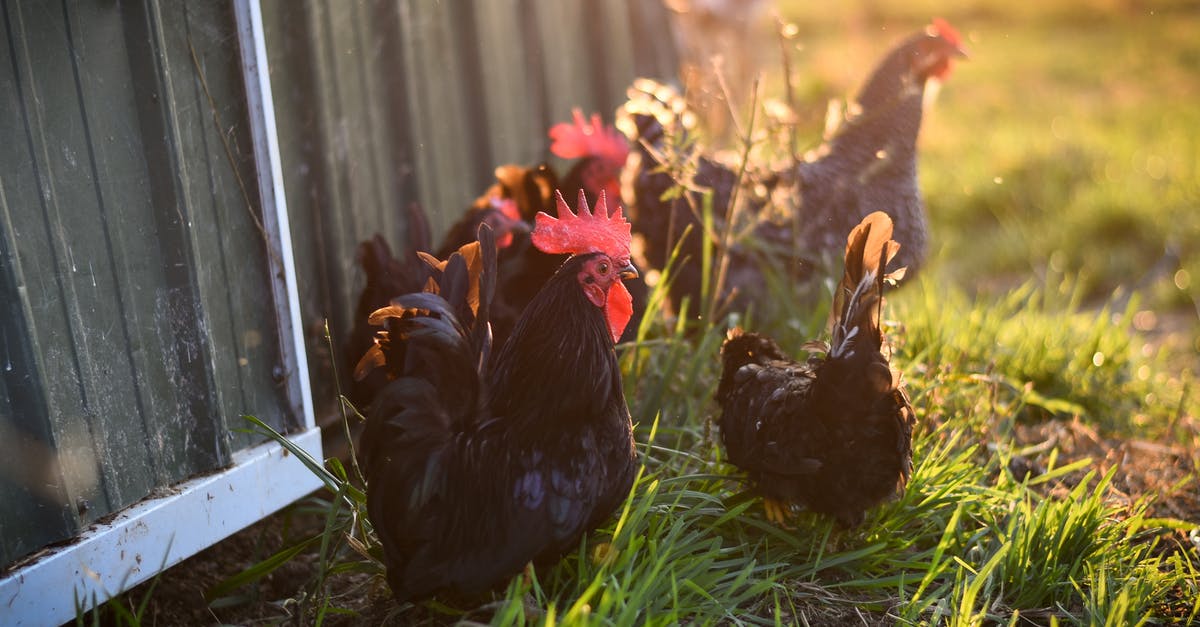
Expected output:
(275, 216)
(155, 534)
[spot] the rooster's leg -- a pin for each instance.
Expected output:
(777, 512)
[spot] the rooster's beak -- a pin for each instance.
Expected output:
(628, 272)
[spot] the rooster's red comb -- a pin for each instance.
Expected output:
(587, 232)
(588, 138)
(943, 29)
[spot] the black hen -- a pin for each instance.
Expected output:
(499, 212)
(868, 165)
(523, 268)
(473, 470)
(834, 433)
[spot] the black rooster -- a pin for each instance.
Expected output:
(472, 471)
(833, 433)
(599, 152)
(508, 205)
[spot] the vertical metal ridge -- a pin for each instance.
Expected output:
(155, 461)
(261, 106)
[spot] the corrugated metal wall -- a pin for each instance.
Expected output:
(382, 103)
(138, 322)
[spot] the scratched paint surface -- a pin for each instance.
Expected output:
(138, 319)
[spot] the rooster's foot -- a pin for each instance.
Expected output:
(604, 553)
(777, 512)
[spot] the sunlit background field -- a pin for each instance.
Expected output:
(1069, 144)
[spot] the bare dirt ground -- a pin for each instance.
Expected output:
(179, 596)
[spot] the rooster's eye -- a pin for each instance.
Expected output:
(603, 268)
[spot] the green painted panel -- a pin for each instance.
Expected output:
(651, 41)
(337, 79)
(291, 49)
(139, 321)
(203, 96)
(148, 259)
(30, 473)
(77, 329)
(566, 59)
(448, 174)
(611, 41)
(515, 108)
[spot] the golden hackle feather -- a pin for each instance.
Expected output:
(372, 359)
(473, 257)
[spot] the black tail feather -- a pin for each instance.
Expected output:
(454, 303)
(857, 302)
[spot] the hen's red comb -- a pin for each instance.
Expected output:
(585, 138)
(943, 29)
(586, 232)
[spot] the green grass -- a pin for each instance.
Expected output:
(968, 542)
(1061, 166)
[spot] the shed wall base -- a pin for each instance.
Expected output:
(155, 534)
